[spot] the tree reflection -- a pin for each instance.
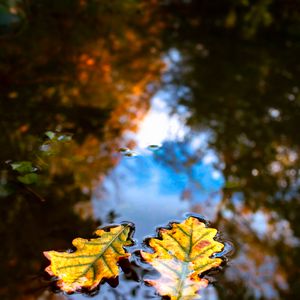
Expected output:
(80, 67)
(245, 94)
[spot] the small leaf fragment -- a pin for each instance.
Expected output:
(94, 260)
(181, 254)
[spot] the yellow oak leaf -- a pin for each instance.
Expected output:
(180, 255)
(94, 259)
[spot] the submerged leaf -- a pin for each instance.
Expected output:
(181, 254)
(94, 259)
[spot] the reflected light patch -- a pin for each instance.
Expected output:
(159, 125)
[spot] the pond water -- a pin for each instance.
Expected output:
(146, 111)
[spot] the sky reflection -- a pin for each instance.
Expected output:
(152, 191)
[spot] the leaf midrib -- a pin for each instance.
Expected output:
(187, 261)
(182, 279)
(101, 254)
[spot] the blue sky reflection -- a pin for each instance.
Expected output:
(155, 187)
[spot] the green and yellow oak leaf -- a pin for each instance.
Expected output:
(180, 255)
(94, 259)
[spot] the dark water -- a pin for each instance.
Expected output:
(202, 98)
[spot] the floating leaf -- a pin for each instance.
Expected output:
(131, 154)
(127, 152)
(23, 167)
(181, 254)
(122, 150)
(64, 138)
(58, 136)
(50, 134)
(94, 259)
(28, 178)
(154, 147)
(5, 190)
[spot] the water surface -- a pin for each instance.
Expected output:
(154, 109)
